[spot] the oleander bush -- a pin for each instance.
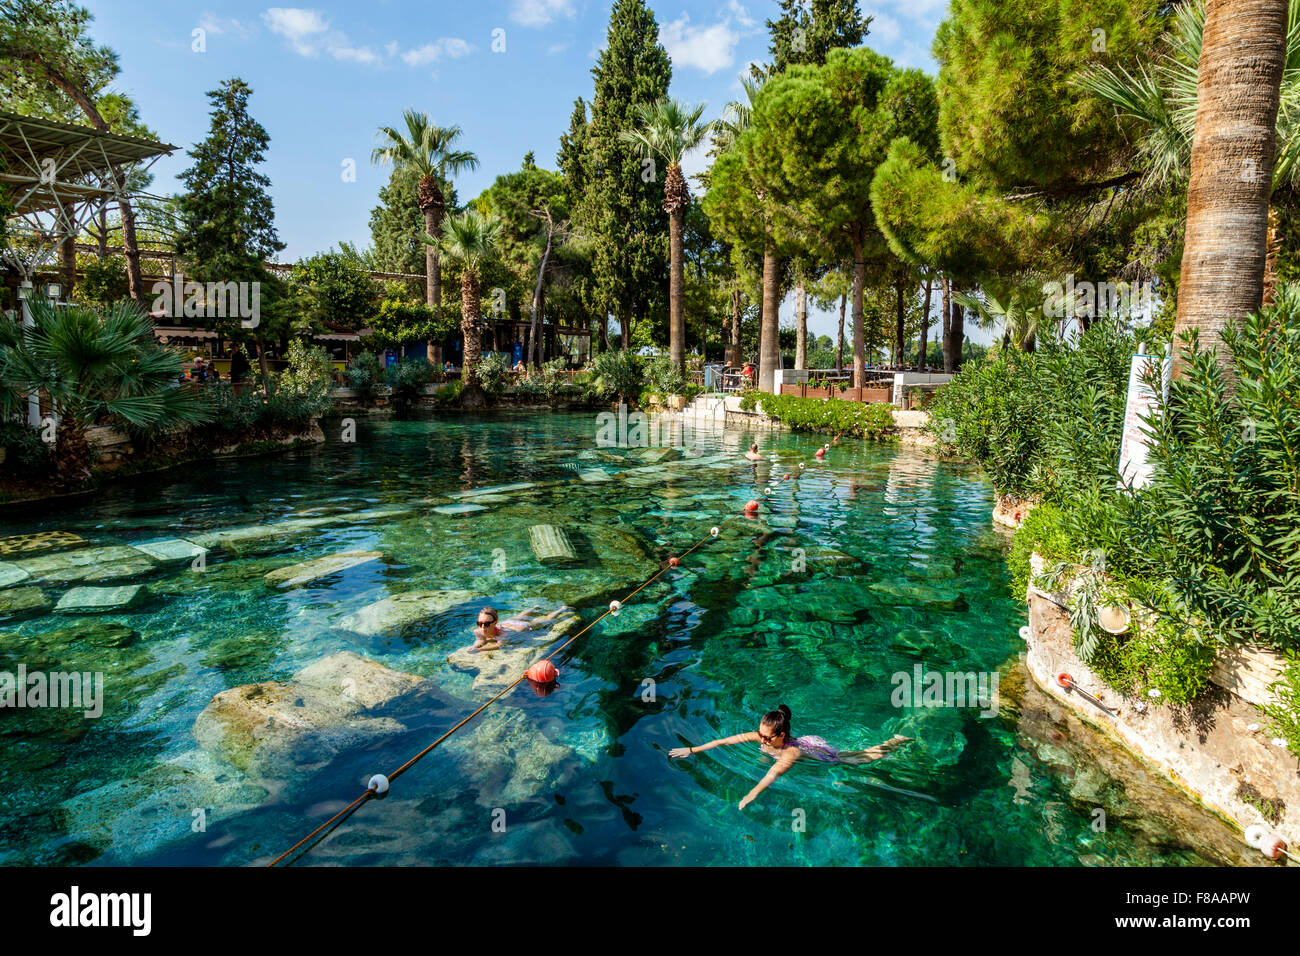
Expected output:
(874, 421)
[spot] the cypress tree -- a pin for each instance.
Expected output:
(621, 209)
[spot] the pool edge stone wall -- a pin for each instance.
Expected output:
(1208, 750)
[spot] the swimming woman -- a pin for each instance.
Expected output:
(774, 739)
(488, 633)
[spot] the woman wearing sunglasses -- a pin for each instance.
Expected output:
(488, 632)
(775, 740)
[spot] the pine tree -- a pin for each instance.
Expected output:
(226, 215)
(621, 209)
(807, 32)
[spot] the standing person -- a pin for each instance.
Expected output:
(239, 367)
(775, 740)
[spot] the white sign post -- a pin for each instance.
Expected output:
(1134, 467)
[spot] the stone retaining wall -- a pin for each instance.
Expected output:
(1218, 750)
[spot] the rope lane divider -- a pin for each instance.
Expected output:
(379, 783)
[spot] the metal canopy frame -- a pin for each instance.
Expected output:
(59, 175)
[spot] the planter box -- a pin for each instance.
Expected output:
(817, 393)
(849, 394)
(875, 395)
(795, 390)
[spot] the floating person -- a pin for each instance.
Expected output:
(488, 633)
(774, 739)
(753, 454)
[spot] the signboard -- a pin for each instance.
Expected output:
(1134, 468)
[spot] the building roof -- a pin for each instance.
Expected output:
(83, 157)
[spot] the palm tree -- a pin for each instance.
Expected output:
(92, 367)
(736, 117)
(667, 130)
(470, 238)
(1017, 310)
(1243, 56)
(1221, 73)
(428, 150)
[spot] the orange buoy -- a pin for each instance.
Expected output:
(821, 452)
(751, 506)
(1065, 680)
(786, 476)
(543, 672)
(673, 562)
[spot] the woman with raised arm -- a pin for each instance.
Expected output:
(774, 739)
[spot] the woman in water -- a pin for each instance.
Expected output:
(487, 635)
(775, 740)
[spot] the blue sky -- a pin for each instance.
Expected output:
(325, 76)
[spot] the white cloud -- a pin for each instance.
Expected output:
(555, 48)
(538, 13)
(308, 34)
(304, 29)
(742, 15)
(884, 28)
(444, 48)
(709, 49)
(222, 25)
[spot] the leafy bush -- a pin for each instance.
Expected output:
(874, 420)
(493, 372)
(304, 386)
(408, 379)
(105, 281)
(399, 322)
(1173, 660)
(364, 375)
(1043, 531)
(25, 454)
(664, 378)
(748, 399)
(618, 374)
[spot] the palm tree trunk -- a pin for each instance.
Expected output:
(801, 325)
(839, 344)
(471, 394)
(71, 451)
(925, 325)
(1233, 151)
(676, 287)
(859, 330)
(767, 333)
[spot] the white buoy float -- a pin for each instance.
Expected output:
(379, 784)
(615, 607)
(1024, 633)
(714, 531)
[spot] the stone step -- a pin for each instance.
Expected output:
(87, 600)
(298, 575)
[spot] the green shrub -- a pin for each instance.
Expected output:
(408, 379)
(664, 378)
(493, 373)
(1043, 531)
(1285, 714)
(875, 421)
(364, 374)
(303, 389)
(1173, 660)
(748, 399)
(618, 374)
(25, 454)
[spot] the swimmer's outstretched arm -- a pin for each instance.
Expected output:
(783, 763)
(751, 737)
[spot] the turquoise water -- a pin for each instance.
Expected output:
(869, 564)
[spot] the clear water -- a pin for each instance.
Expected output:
(737, 629)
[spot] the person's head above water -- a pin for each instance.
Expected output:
(775, 727)
(754, 447)
(487, 619)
